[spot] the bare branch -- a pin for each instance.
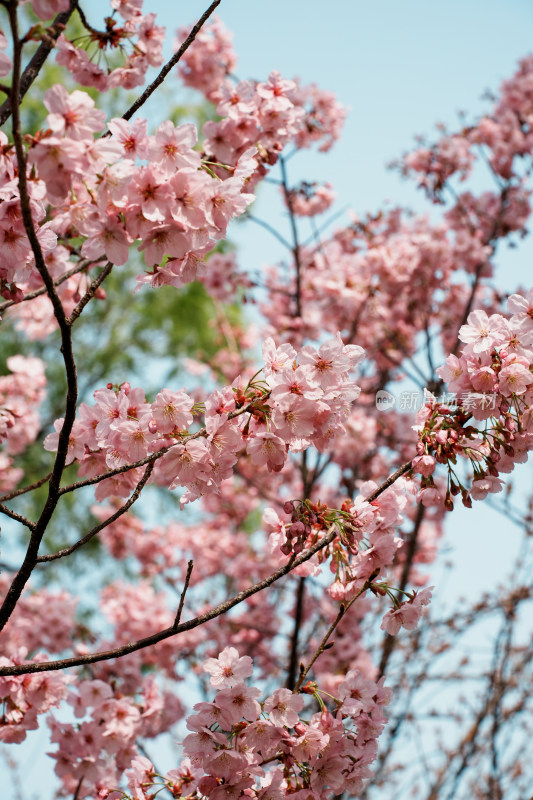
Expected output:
(190, 565)
(89, 294)
(18, 517)
(57, 282)
(25, 489)
(322, 646)
(66, 551)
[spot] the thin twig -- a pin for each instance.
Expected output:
(389, 641)
(177, 618)
(25, 489)
(18, 517)
(295, 242)
(89, 294)
(66, 551)
(43, 290)
(322, 646)
(270, 229)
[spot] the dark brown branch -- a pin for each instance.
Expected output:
(43, 290)
(18, 517)
(140, 644)
(177, 618)
(25, 489)
(389, 641)
(217, 611)
(66, 551)
(322, 646)
(78, 788)
(170, 64)
(294, 231)
(89, 294)
(32, 551)
(298, 615)
(39, 57)
(390, 480)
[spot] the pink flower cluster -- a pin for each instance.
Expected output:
(42, 623)
(494, 377)
(505, 135)
(25, 697)
(21, 394)
(304, 398)
(138, 34)
(266, 114)
(210, 61)
(239, 745)
(310, 199)
(406, 614)
(175, 208)
(102, 742)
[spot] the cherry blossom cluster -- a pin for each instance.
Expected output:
(310, 199)
(363, 553)
(380, 281)
(43, 623)
(264, 114)
(177, 209)
(132, 186)
(494, 375)
(21, 395)
(504, 137)
(303, 399)
(239, 745)
(138, 42)
(102, 742)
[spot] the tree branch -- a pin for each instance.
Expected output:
(89, 294)
(39, 57)
(18, 517)
(322, 646)
(217, 611)
(43, 290)
(66, 551)
(389, 642)
(28, 564)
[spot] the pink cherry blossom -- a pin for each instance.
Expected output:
(229, 668)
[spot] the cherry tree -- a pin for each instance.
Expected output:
(265, 613)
